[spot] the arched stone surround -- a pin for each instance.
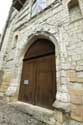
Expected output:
(62, 97)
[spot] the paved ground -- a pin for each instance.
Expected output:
(10, 116)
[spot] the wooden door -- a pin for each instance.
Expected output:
(26, 93)
(46, 83)
(41, 89)
(38, 81)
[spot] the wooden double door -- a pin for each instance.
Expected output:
(38, 84)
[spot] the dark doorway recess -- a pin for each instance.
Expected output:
(38, 80)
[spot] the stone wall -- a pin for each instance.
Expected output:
(59, 24)
(0, 38)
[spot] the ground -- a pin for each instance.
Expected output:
(11, 116)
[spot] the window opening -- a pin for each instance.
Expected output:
(74, 10)
(18, 4)
(15, 42)
(38, 6)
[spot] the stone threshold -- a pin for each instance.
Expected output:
(39, 113)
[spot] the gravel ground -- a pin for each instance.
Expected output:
(10, 116)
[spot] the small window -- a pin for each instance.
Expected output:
(38, 6)
(14, 42)
(18, 4)
(74, 10)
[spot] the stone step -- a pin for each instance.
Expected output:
(44, 115)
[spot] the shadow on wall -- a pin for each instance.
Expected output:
(1, 76)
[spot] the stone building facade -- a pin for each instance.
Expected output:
(61, 22)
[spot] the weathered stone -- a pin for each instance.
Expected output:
(77, 112)
(77, 92)
(7, 77)
(62, 105)
(72, 76)
(73, 122)
(59, 116)
(76, 99)
(42, 114)
(75, 77)
(9, 115)
(5, 83)
(80, 80)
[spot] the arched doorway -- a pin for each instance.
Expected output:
(38, 80)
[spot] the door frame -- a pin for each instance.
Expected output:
(25, 46)
(50, 47)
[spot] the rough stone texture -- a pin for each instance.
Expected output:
(64, 27)
(11, 116)
(42, 114)
(59, 116)
(5, 82)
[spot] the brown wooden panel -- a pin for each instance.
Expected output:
(42, 88)
(27, 91)
(46, 84)
(41, 47)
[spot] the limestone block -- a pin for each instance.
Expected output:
(63, 89)
(77, 112)
(79, 67)
(80, 63)
(6, 81)
(76, 99)
(64, 80)
(80, 80)
(65, 66)
(59, 116)
(75, 86)
(3, 87)
(76, 92)
(80, 74)
(61, 105)
(7, 77)
(11, 90)
(72, 76)
(73, 122)
(42, 114)
(76, 57)
(13, 98)
(63, 97)
(63, 73)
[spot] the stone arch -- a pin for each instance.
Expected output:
(29, 41)
(21, 50)
(32, 38)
